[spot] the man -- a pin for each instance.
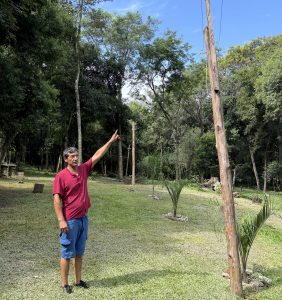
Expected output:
(71, 204)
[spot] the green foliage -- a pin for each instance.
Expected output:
(268, 84)
(273, 172)
(150, 166)
(174, 189)
(29, 54)
(206, 162)
(247, 231)
(217, 187)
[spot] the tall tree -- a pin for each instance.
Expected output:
(81, 6)
(29, 50)
(269, 92)
(119, 39)
(161, 67)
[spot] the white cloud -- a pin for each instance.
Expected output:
(137, 5)
(152, 8)
(197, 30)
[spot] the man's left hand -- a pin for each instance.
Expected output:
(114, 137)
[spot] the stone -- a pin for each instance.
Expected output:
(236, 194)
(225, 275)
(265, 280)
(249, 271)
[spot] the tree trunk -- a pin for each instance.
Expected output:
(59, 164)
(254, 168)
(176, 149)
(46, 158)
(5, 145)
(42, 158)
(76, 84)
(234, 177)
(177, 173)
(105, 168)
(280, 144)
(23, 153)
(265, 173)
(133, 154)
(244, 273)
(161, 175)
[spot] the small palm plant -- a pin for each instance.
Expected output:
(247, 232)
(174, 188)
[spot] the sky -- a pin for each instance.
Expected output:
(235, 22)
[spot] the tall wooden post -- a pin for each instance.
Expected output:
(225, 170)
(133, 154)
(127, 161)
(120, 162)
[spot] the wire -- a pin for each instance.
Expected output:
(219, 36)
(202, 24)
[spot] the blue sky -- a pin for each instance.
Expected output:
(240, 21)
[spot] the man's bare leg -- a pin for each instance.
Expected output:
(77, 268)
(65, 265)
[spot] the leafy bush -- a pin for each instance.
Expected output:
(217, 187)
(273, 172)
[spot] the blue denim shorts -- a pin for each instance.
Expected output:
(73, 242)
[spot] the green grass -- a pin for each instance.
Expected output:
(133, 251)
(276, 197)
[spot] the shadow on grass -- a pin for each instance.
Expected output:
(137, 277)
(9, 196)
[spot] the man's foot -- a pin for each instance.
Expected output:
(67, 288)
(82, 284)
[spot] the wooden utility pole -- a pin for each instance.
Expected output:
(133, 153)
(225, 170)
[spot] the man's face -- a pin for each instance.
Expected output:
(72, 159)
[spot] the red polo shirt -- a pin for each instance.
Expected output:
(73, 190)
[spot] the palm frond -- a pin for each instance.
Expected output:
(174, 188)
(249, 228)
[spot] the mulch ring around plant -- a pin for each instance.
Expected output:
(177, 218)
(255, 281)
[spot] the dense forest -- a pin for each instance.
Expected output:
(71, 74)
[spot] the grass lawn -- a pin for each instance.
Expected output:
(133, 251)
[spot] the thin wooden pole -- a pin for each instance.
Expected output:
(127, 161)
(120, 162)
(224, 165)
(133, 154)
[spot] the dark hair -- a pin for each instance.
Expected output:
(69, 151)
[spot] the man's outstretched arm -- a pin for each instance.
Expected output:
(103, 150)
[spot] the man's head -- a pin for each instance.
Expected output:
(71, 156)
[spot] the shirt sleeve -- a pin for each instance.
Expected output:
(58, 185)
(88, 166)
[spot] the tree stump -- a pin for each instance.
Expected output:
(38, 188)
(20, 177)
